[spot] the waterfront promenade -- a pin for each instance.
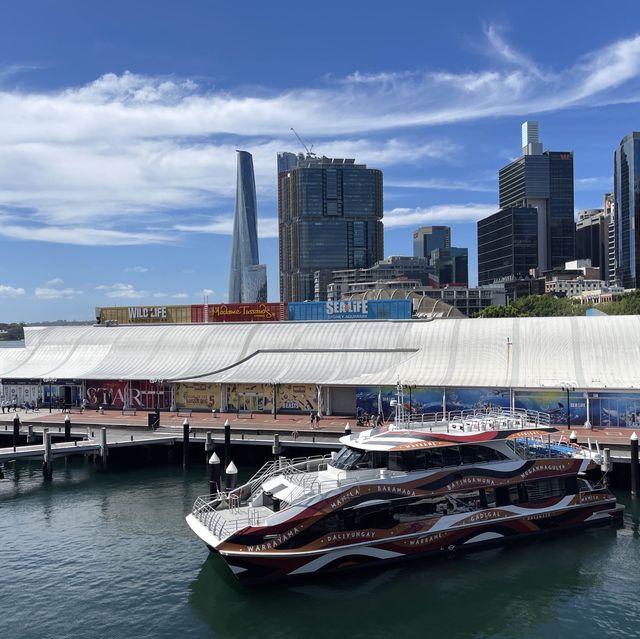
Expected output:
(298, 426)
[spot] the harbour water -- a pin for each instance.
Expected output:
(109, 555)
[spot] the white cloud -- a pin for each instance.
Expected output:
(83, 236)
(46, 293)
(599, 183)
(205, 292)
(180, 296)
(10, 291)
(439, 184)
(223, 225)
(56, 281)
(441, 214)
(108, 162)
(120, 289)
(135, 269)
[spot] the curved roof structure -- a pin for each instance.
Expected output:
(590, 352)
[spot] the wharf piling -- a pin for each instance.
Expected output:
(185, 443)
(47, 463)
(16, 431)
(67, 428)
(276, 449)
(635, 469)
(232, 476)
(30, 436)
(215, 473)
(208, 446)
(227, 443)
(104, 449)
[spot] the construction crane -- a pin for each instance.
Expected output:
(310, 153)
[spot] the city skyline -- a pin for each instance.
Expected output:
(117, 176)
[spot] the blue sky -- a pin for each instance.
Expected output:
(119, 122)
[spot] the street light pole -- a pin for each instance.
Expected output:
(568, 387)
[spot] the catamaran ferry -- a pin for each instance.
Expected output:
(420, 486)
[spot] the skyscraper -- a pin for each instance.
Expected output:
(507, 244)
(592, 239)
(430, 238)
(544, 181)
(247, 278)
(626, 186)
(330, 217)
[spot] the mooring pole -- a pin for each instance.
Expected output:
(232, 476)
(227, 442)
(208, 446)
(30, 436)
(215, 472)
(104, 450)
(16, 431)
(47, 466)
(606, 465)
(67, 428)
(185, 443)
(276, 449)
(635, 469)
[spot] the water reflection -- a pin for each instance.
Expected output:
(491, 592)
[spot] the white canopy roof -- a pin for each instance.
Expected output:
(591, 352)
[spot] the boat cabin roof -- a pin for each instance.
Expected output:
(409, 439)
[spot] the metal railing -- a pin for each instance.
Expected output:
(472, 420)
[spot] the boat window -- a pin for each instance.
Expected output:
(488, 497)
(571, 485)
(475, 454)
(353, 459)
(543, 489)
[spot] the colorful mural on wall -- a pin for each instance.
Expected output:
(555, 403)
(259, 397)
(134, 394)
(198, 396)
(606, 409)
(619, 410)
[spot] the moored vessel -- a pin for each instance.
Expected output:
(422, 485)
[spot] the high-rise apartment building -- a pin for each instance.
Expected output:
(330, 217)
(430, 238)
(507, 244)
(247, 278)
(609, 211)
(544, 181)
(626, 185)
(592, 240)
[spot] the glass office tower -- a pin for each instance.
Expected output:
(507, 244)
(544, 181)
(430, 238)
(626, 209)
(330, 217)
(247, 278)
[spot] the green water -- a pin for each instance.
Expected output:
(110, 555)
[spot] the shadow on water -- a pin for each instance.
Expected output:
(500, 592)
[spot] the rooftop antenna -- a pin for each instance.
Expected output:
(309, 150)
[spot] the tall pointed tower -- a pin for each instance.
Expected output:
(247, 278)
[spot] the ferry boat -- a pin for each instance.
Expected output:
(420, 486)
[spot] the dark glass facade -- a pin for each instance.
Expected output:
(247, 278)
(507, 244)
(592, 239)
(451, 266)
(545, 182)
(430, 238)
(330, 217)
(627, 210)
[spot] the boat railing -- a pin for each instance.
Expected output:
(205, 509)
(287, 467)
(477, 419)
